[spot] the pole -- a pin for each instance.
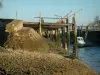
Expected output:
(63, 37)
(68, 36)
(56, 36)
(86, 33)
(81, 29)
(59, 39)
(48, 34)
(75, 50)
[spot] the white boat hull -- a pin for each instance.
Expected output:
(80, 41)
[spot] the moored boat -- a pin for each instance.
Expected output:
(80, 42)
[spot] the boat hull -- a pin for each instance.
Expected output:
(81, 45)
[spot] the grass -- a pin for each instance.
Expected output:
(28, 63)
(21, 61)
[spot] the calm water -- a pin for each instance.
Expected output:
(90, 56)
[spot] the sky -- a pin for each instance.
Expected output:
(28, 9)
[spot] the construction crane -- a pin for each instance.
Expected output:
(67, 14)
(62, 21)
(56, 16)
(75, 13)
(61, 18)
(64, 16)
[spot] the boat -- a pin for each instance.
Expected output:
(80, 42)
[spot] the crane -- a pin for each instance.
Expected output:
(67, 14)
(60, 16)
(64, 16)
(75, 13)
(62, 21)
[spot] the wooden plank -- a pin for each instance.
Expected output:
(50, 18)
(46, 25)
(52, 26)
(28, 23)
(55, 24)
(37, 23)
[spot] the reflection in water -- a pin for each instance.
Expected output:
(90, 56)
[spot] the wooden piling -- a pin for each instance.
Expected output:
(68, 35)
(86, 33)
(56, 36)
(48, 34)
(81, 29)
(68, 40)
(75, 50)
(63, 38)
(52, 35)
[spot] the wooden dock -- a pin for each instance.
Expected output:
(65, 28)
(50, 26)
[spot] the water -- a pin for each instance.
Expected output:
(90, 56)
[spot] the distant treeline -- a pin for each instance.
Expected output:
(96, 22)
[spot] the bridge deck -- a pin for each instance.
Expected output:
(89, 28)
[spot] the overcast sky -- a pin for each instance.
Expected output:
(28, 9)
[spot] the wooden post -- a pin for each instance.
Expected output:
(86, 32)
(63, 38)
(59, 39)
(56, 36)
(68, 35)
(75, 50)
(47, 33)
(40, 27)
(51, 35)
(81, 29)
